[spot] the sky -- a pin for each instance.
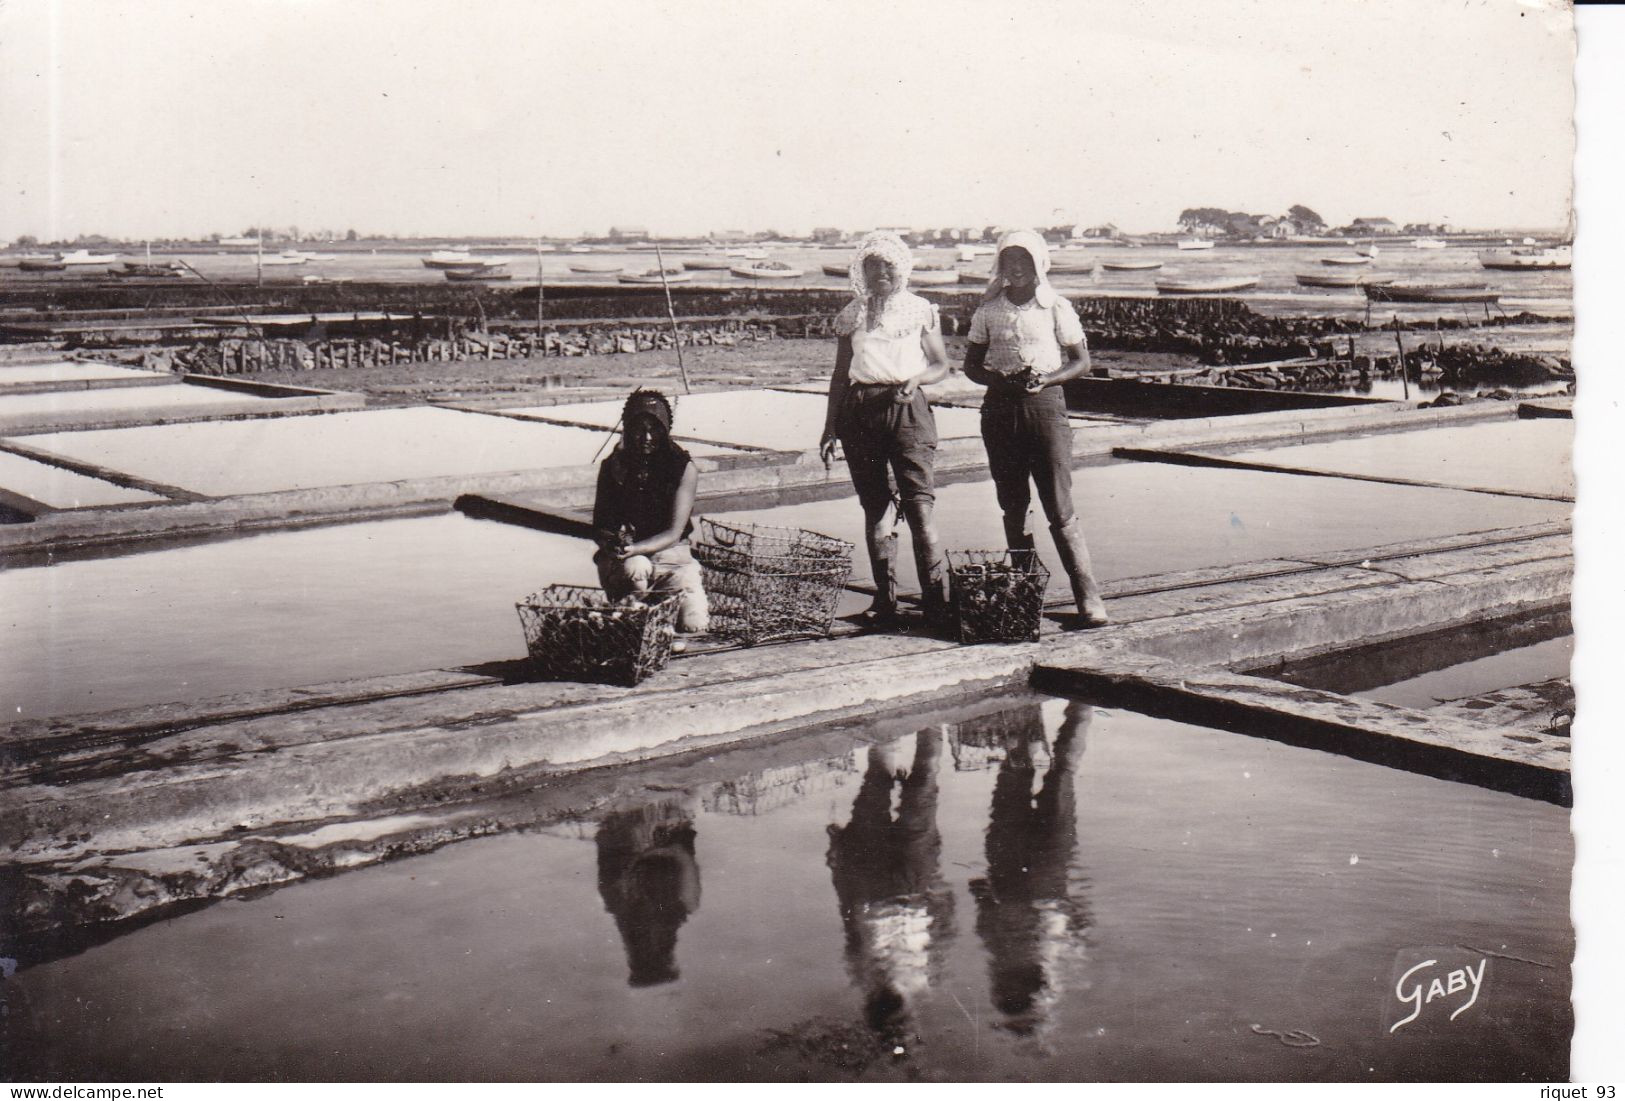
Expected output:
(496, 117)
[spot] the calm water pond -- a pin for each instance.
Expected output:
(1036, 889)
(298, 607)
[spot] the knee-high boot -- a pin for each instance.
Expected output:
(883, 563)
(1074, 554)
(927, 558)
(1016, 534)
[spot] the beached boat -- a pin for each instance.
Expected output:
(1207, 286)
(481, 274)
(747, 254)
(1345, 261)
(601, 267)
(653, 275)
(967, 253)
(445, 259)
(134, 270)
(766, 269)
(838, 271)
(1427, 242)
(707, 263)
(287, 259)
(1329, 280)
(1073, 268)
(1368, 249)
(929, 278)
(1131, 265)
(84, 258)
(1527, 259)
(1416, 292)
(1193, 244)
(975, 278)
(40, 263)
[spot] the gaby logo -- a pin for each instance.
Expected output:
(1453, 983)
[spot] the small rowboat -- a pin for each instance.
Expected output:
(1345, 261)
(766, 269)
(929, 278)
(83, 257)
(481, 274)
(837, 271)
(1474, 292)
(1428, 242)
(1072, 269)
(707, 263)
(1206, 286)
(1131, 265)
(653, 275)
(600, 268)
(40, 263)
(446, 258)
(1194, 244)
(1527, 259)
(134, 270)
(1318, 280)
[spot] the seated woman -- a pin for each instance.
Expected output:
(642, 515)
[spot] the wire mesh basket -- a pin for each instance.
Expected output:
(996, 596)
(577, 633)
(770, 583)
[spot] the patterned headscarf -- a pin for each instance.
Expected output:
(1036, 248)
(650, 403)
(890, 248)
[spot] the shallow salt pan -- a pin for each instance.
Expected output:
(70, 372)
(225, 458)
(58, 488)
(1527, 456)
(775, 419)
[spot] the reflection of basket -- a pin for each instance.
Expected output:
(996, 596)
(575, 633)
(765, 582)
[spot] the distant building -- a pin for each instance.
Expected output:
(728, 235)
(1103, 232)
(827, 235)
(628, 233)
(1279, 228)
(1373, 225)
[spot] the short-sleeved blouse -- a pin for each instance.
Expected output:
(1030, 335)
(890, 352)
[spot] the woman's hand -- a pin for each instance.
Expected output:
(905, 393)
(829, 448)
(1034, 381)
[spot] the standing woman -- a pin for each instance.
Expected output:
(1025, 341)
(890, 348)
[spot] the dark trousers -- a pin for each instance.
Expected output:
(879, 434)
(1029, 443)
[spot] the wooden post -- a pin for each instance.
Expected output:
(1404, 373)
(671, 313)
(541, 292)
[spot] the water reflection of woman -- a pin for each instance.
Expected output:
(896, 909)
(1026, 916)
(649, 880)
